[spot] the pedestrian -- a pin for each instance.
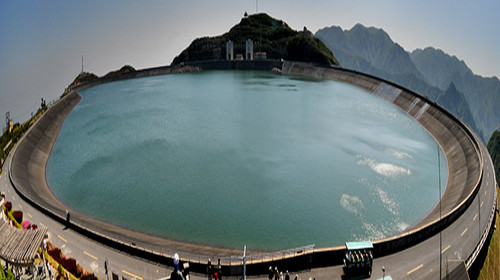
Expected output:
(209, 269)
(276, 273)
(219, 269)
(176, 274)
(67, 217)
(287, 276)
(271, 273)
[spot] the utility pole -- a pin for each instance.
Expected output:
(440, 230)
(82, 65)
(256, 6)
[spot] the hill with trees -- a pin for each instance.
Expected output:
(269, 35)
(494, 149)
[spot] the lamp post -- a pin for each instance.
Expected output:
(440, 231)
(245, 262)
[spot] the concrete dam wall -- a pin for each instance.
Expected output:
(27, 171)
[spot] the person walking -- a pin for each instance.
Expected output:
(209, 269)
(219, 269)
(176, 274)
(67, 218)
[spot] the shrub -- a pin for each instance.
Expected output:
(55, 253)
(90, 276)
(8, 207)
(60, 269)
(10, 275)
(71, 267)
(18, 216)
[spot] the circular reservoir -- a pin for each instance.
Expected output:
(233, 158)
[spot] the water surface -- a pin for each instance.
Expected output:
(233, 158)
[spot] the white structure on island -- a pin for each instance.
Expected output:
(229, 50)
(249, 50)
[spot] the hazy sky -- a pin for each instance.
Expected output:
(42, 42)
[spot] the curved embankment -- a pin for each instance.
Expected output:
(27, 174)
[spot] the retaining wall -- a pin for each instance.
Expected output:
(27, 171)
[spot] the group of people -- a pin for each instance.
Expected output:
(277, 275)
(358, 258)
(214, 272)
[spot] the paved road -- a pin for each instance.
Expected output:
(418, 262)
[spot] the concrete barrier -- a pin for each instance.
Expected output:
(27, 172)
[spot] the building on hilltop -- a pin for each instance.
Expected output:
(229, 50)
(249, 50)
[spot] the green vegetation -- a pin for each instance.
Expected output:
(84, 77)
(491, 268)
(269, 35)
(124, 69)
(494, 149)
(8, 140)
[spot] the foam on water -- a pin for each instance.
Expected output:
(398, 154)
(383, 168)
(351, 203)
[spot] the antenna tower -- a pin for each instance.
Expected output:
(7, 120)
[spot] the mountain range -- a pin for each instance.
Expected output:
(430, 72)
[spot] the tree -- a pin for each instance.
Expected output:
(494, 149)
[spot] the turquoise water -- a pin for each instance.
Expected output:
(233, 158)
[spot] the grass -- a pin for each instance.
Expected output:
(491, 265)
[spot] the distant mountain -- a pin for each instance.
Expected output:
(455, 102)
(483, 94)
(368, 47)
(269, 35)
(494, 150)
(438, 67)
(372, 51)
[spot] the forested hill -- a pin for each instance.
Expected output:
(269, 35)
(429, 72)
(494, 149)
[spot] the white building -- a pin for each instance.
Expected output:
(249, 50)
(229, 50)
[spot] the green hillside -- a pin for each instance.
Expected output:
(494, 149)
(269, 35)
